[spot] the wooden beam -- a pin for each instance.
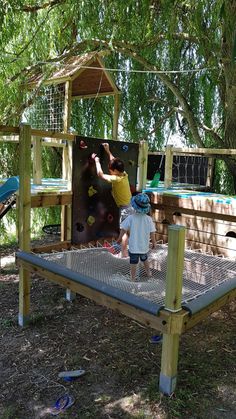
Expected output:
(108, 76)
(213, 237)
(51, 199)
(53, 144)
(159, 323)
(173, 298)
(175, 264)
(204, 247)
(210, 172)
(142, 165)
(47, 248)
(66, 216)
(39, 133)
(90, 96)
(207, 311)
(203, 151)
(15, 139)
(168, 166)
(24, 220)
(213, 152)
(199, 213)
(199, 203)
(116, 117)
(37, 161)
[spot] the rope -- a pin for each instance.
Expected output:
(202, 272)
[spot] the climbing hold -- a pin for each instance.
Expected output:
(125, 147)
(91, 191)
(79, 227)
(90, 220)
(82, 144)
(110, 218)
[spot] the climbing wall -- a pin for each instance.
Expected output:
(94, 212)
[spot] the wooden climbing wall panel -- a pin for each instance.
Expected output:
(94, 212)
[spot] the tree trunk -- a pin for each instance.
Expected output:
(229, 66)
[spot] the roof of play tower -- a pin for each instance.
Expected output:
(84, 73)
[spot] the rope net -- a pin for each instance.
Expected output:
(47, 111)
(190, 170)
(202, 272)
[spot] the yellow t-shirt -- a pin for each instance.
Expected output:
(120, 189)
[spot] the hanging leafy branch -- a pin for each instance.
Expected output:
(146, 35)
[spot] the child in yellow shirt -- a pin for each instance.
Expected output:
(120, 187)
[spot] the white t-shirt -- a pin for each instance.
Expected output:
(139, 227)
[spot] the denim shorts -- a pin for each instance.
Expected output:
(134, 258)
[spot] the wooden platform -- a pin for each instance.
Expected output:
(50, 193)
(210, 219)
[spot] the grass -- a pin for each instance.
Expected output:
(11, 412)
(7, 323)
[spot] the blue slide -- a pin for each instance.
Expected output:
(9, 188)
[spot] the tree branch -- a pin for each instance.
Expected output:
(123, 48)
(218, 139)
(34, 9)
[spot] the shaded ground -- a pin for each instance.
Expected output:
(122, 367)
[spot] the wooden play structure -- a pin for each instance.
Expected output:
(79, 77)
(210, 219)
(172, 316)
(186, 286)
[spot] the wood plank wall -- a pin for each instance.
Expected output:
(210, 226)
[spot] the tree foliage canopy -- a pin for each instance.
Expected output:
(183, 52)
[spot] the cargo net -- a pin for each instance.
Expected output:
(190, 170)
(47, 111)
(202, 272)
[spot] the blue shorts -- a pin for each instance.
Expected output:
(134, 258)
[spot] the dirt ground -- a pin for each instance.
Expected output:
(121, 365)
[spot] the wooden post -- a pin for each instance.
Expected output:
(66, 211)
(37, 160)
(67, 164)
(116, 117)
(210, 170)
(142, 165)
(24, 219)
(70, 295)
(168, 166)
(174, 278)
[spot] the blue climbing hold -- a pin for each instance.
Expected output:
(125, 147)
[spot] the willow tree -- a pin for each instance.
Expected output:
(177, 61)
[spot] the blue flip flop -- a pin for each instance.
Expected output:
(156, 339)
(71, 375)
(63, 403)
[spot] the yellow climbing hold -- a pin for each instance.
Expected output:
(90, 220)
(91, 191)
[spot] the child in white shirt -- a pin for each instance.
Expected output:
(140, 228)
